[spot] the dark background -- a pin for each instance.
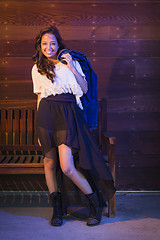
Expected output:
(122, 40)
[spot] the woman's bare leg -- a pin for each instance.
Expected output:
(68, 168)
(50, 163)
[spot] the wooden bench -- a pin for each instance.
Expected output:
(21, 154)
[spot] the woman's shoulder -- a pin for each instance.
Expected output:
(34, 68)
(34, 72)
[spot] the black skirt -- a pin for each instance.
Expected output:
(59, 121)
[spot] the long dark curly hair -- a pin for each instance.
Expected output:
(44, 65)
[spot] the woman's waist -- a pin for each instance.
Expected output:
(63, 97)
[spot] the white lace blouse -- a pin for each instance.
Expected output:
(64, 82)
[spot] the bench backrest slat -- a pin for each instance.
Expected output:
(17, 127)
(10, 126)
(3, 127)
(30, 130)
(23, 129)
(35, 135)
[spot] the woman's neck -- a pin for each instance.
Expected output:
(55, 61)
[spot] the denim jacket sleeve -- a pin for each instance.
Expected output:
(90, 99)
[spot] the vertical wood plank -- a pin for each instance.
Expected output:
(30, 127)
(17, 126)
(112, 207)
(10, 126)
(35, 134)
(3, 127)
(23, 132)
(112, 167)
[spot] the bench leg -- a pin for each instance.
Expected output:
(111, 207)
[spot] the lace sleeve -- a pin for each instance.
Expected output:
(36, 80)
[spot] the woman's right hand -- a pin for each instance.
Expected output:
(39, 142)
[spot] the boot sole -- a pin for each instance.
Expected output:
(56, 224)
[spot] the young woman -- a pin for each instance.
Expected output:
(72, 161)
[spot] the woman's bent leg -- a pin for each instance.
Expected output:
(50, 163)
(68, 168)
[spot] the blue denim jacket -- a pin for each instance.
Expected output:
(90, 99)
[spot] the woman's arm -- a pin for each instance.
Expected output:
(80, 80)
(38, 100)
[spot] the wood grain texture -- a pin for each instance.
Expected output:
(139, 178)
(108, 48)
(75, 13)
(18, 104)
(17, 91)
(141, 104)
(94, 33)
(137, 143)
(135, 122)
(115, 75)
(16, 69)
(138, 161)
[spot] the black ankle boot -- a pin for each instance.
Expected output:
(95, 214)
(57, 209)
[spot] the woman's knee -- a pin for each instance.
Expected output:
(50, 163)
(69, 172)
(66, 161)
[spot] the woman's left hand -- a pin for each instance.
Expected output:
(68, 58)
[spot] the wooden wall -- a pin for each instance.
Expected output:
(122, 40)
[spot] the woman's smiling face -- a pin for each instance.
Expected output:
(49, 45)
